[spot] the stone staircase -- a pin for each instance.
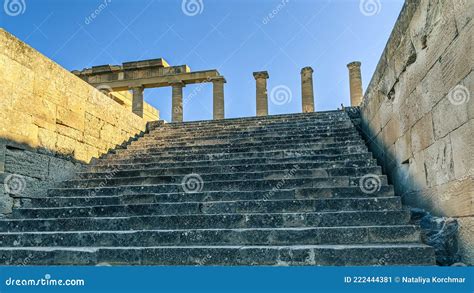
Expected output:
(275, 190)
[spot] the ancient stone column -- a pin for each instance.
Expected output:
(137, 100)
(355, 82)
(262, 95)
(177, 102)
(218, 97)
(307, 89)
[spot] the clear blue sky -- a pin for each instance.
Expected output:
(237, 37)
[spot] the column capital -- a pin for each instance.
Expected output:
(218, 79)
(177, 83)
(261, 74)
(355, 64)
(307, 69)
(136, 87)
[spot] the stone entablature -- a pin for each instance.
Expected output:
(105, 74)
(139, 75)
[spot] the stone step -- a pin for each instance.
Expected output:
(146, 163)
(192, 183)
(185, 156)
(276, 190)
(210, 237)
(226, 168)
(268, 186)
(270, 119)
(294, 173)
(234, 148)
(228, 125)
(245, 143)
(321, 255)
(242, 138)
(278, 171)
(166, 133)
(216, 207)
(59, 200)
(333, 148)
(213, 221)
(221, 143)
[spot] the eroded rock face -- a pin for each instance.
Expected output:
(439, 232)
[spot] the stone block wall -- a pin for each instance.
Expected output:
(29, 172)
(51, 122)
(418, 111)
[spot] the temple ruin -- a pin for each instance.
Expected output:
(139, 75)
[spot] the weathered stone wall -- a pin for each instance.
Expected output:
(29, 172)
(45, 106)
(418, 111)
(50, 122)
